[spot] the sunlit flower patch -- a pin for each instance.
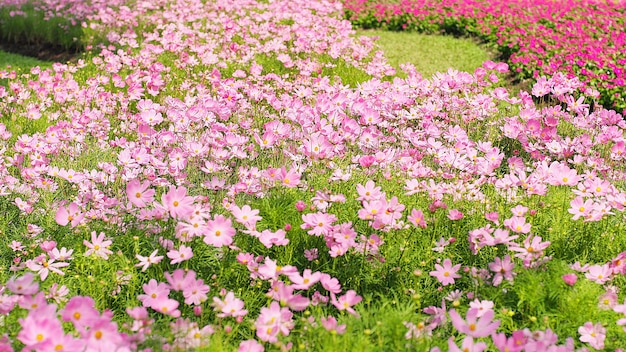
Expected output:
(250, 176)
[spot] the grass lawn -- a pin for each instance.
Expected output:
(19, 62)
(429, 53)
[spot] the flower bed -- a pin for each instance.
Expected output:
(583, 39)
(245, 176)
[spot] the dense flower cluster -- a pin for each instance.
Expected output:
(210, 172)
(582, 39)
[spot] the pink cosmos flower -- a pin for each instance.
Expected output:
(81, 311)
(70, 215)
(179, 205)
(346, 302)
(180, 279)
(369, 192)
(99, 246)
(446, 273)
(482, 306)
(270, 239)
(154, 291)
(517, 224)
(230, 306)
(250, 346)
(330, 324)
(139, 194)
(592, 334)
(493, 217)
(245, 215)
(180, 255)
(103, 336)
(330, 284)
(503, 269)
(474, 326)
(305, 281)
(289, 179)
(318, 223)
(515, 343)
(311, 254)
(599, 273)
(417, 218)
(468, 345)
(43, 266)
(570, 279)
(38, 330)
(284, 294)
(273, 321)
(195, 292)
(455, 214)
(24, 285)
(219, 232)
(580, 207)
(145, 262)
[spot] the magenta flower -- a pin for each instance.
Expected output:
(446, 273)
(270, 239)
(474, 326)
(570, 279)
(289, 179)
(517, 224)
(180, 279)
(103, 336)
(43, 266)
(246, 215)
(166, 306)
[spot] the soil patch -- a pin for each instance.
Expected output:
(42, 51)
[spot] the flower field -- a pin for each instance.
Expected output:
(583, 39)
(250, 175)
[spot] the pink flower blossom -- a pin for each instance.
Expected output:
(455, 214)
(99, 246)
(446, 273)
(70, 215)
(145, 262)
(570, 279)
(180, 255)
(592, 334)
(474, 326)
(177, 202)
(139, 194)
(346, 302)
(503, 269)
